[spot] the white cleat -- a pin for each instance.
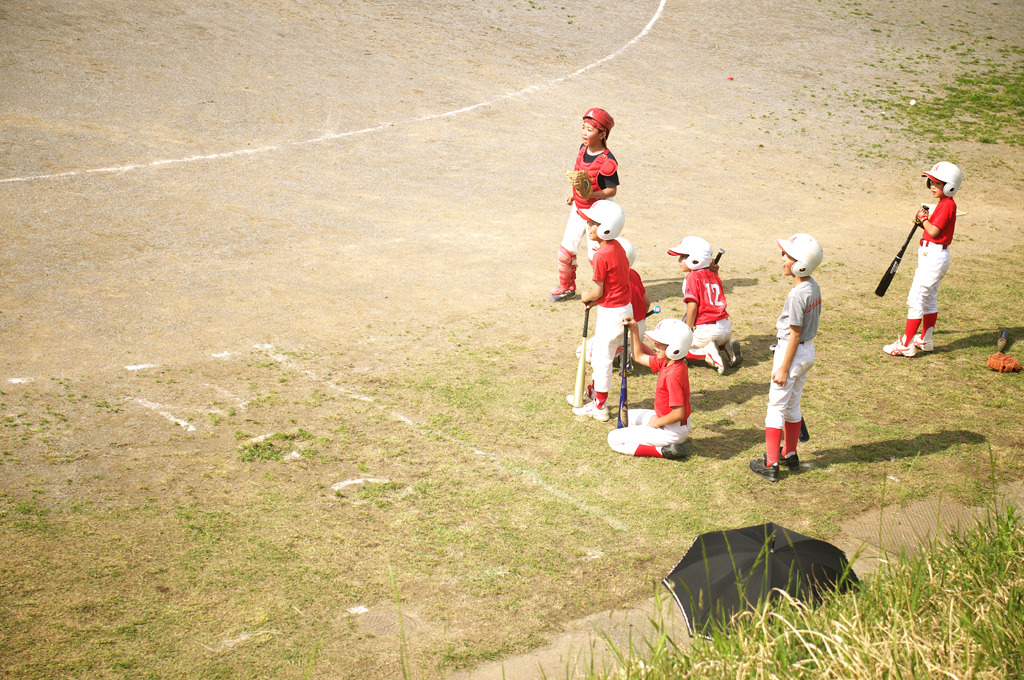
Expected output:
(924, 343)
(732, 350)
(591, 411)
(713, 358)
(900, 348)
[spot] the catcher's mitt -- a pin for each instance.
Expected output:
(1003, 363)
(580, 182)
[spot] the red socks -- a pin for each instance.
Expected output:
(600, 398)
(928, 322)
(772, 439)
(912, 326)
(647, 451)
(792, 436)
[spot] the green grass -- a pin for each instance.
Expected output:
(956, 609)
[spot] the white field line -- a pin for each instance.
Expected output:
(558, 493)
(160, 409)
(332, 136)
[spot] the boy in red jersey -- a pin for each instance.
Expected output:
(597, 161)
(943, 181)
(660, 433)
(610, 294)
(706, 312)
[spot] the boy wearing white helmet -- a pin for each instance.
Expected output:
(610, 294)
(944, 181)
(661, 432)
(794, 354)
(706, 312)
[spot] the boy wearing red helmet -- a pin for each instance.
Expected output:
(597, 161)
(943, 180)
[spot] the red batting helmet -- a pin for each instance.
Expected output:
(601, 119)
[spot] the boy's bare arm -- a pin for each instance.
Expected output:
(673, 416)
(636, 343)
(781, 375)
(691, 314)
(594, 293)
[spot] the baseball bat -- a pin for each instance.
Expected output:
(581, 369)
(1004, 337)
(883, 285)
(804, 434)
(654, 310)
(624, 363)
(721, 251)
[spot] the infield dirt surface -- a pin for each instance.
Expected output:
(230, 220)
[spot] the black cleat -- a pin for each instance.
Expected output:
(792, 462)
(677, 451)
(759, 467)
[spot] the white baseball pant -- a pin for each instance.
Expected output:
(784, 401)
(627, 439)
(576, 231)
(932, 264)
(719, 332)
(607, 338)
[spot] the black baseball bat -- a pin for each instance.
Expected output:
(654, 310)
(624, 363)
(721, 251)
(804, 434)
(883, 285)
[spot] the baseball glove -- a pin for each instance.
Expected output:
(580, 182)
(1003, 363)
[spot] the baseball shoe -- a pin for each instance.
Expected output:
(559, 294)
(924, 343)
(677, 451)
(759, 467)
(588, 395)
(732, 349)
(592, 411)
(713, 358)
(792, 462)
(900, 348)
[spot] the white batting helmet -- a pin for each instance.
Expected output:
(948, 175)
(609, 217)
(805, 249)
(630, 250)
(696, 250)
(675, 334)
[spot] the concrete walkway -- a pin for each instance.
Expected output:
(867, 539)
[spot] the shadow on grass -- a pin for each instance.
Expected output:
(662, 289)
(981, 338)
(921, 445)
(704, 400)
(730, 442)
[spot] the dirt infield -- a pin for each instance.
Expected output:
(304, 208)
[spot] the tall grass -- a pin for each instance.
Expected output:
(956, 610)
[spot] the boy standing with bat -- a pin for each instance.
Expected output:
(943, 180)
(794, 355)
(660, 433)
(610, 293)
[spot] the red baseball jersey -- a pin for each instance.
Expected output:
(636, 295)
(673, 389)
(611, 267)
(705, 288)
(944, 217)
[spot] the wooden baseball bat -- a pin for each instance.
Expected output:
(883, 285)
(624, 364)
(581, 369)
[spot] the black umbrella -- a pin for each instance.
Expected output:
(726, 572)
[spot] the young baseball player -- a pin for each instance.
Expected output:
(662, 432)
(794, 354)
(639, 303)
(706, 312)
(944, 181)
(610, 294)
(597, 161)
